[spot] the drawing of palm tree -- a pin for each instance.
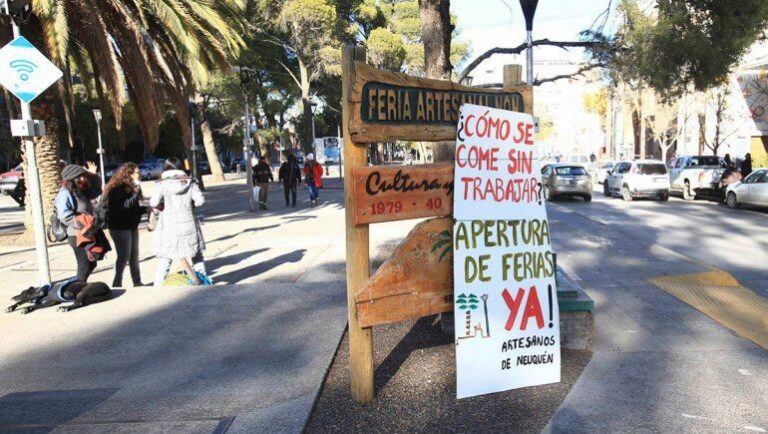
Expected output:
(445, 241)
(467, 304)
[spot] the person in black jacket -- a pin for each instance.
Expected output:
(262, 176)
(124, 210)
(290, 174)
(746, 165)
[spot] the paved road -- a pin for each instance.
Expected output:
(660, 365)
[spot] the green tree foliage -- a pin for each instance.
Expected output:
(683, 43)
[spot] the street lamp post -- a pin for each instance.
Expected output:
(100, 151)
(192, 113)
(313, 106)
(529, 10)
(247, 139)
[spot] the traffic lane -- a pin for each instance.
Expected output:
(659, 364)
(705, 231)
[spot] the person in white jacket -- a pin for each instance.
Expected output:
(178, 235)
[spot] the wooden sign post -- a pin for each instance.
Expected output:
(416, 281)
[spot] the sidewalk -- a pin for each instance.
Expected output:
(246, 355)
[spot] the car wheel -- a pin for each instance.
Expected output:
(664, 197)
(588, 198)
(732, 201)
(606, 190)
(625, 194)
(687, 192)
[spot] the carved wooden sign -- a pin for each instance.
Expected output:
(386, 106)
(388, 193)
(416, 281)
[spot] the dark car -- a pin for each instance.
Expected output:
(9, 179)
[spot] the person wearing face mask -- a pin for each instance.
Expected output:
(72, 200)
(124, 211)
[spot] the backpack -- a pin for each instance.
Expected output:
(101, 212)
(57, 230)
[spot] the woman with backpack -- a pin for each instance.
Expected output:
(313, 176)
(72, 201)
(177, 235)
(123, 201)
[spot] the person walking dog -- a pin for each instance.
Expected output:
(290, 174)
(123, 200)
(177, 236)
(313, 176)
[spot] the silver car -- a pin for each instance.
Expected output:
(752, 190)
(560, 180)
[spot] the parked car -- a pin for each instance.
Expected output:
(559, 180)
(151, 170)
(602, 171)
(692, 175)
(752, 190)
(204, 167)
(639, 178)
(9, 179)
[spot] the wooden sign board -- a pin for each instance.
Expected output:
(386, 106)
(416, 281)
(388, 193)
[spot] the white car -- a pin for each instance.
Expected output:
(602, 171)
(691, 175)
(639, 178)
(752, 190)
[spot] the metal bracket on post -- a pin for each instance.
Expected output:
(27, 128)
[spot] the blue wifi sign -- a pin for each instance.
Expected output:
(25, 71)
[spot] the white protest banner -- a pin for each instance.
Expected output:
(505, 300)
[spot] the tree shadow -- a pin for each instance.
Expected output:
(262, 267)
(48, 411)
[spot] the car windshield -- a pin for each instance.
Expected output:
(607, 165)
(570, 171)
(704, 161)
(652, 169)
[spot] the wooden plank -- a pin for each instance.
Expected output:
(386, 106)
(358, 259)
(389, 193)
(417, 280)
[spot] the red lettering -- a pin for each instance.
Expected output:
(461, 162)
(529, 134)
(532, 309)
(513, 304)
(466, 126)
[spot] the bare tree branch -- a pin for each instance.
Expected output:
(578, 72)
(520, 48)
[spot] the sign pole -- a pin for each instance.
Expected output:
(35, 193)
(36, 197)
(358, 255)
(247, 143)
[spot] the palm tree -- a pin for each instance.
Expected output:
(157, 50)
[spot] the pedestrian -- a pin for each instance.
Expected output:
(72, 201)
(178, 236)
(290, 174)
(727, 160)
(746, 165)
(262, 176)
(313, 176)
(123, 200)
(19, 193)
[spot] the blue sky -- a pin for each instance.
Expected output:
(489, 23)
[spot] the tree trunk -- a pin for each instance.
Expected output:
(306, 107)
(643, 141)
(210, 146)
(437, 28)
(46, 148)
